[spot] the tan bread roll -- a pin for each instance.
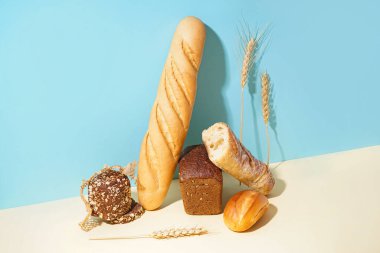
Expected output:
(171, 113)
(227, 152)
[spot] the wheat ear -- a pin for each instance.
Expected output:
(247, 64)
(265, 82)
(163, 234)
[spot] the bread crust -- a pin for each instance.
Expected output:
(236, 160)
(171, 113)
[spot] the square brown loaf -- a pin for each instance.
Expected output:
(201, 183)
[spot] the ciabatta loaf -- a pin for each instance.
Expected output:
(229, 154)
(171, 113)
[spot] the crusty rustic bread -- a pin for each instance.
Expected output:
(227, 152)
(171, 113)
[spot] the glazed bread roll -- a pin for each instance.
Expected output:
(227, 152)
(171, 113)
(244, 209)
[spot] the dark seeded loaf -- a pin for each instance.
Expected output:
(201, 183)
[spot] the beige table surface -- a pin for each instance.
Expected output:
(329, 203)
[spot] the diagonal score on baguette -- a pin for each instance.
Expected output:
(227, 152)
(170, 117)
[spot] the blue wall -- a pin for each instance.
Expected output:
(78, 79)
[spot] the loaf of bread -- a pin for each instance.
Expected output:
(229, 154)
(201, 183)
(109, 195)
(171, 113)
(109, 198)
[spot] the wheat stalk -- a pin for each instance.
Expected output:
(178, 232)
(247, 61)
(247, 64)
(163, 234)
(265, 82)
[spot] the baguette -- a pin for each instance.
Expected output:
(229, 154)
(171, 113)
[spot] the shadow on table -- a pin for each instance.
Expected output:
(231, 186)
(174, 194)
(278, 189)
(280, 184)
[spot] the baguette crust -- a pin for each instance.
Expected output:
(229, 154)
(171, 113)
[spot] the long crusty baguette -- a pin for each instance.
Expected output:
(227, 152)
(171, 113)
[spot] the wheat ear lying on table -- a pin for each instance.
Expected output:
(163, 234)
(265, 83)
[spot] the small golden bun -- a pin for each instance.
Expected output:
(244, 209)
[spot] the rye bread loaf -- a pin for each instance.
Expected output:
(201, 183)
